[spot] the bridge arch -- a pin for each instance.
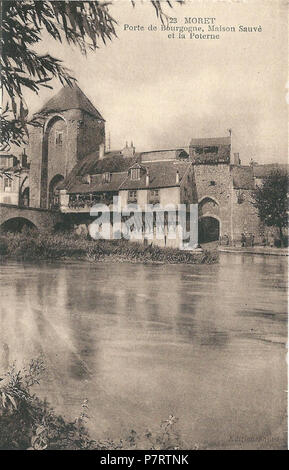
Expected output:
(16, 224)
(43, 220)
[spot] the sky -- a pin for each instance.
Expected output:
(160, 92)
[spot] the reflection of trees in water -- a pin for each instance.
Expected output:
(192, 329)
(198, 312)
(83, 360)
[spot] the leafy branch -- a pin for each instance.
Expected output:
(85, 24)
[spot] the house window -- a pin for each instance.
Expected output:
(154, 196)
(135, 173)
(7, 184)
(59, 138)
(132, 196)
(240, 197)
(106, 177)
(212, 183)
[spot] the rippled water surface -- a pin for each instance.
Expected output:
(205, 343)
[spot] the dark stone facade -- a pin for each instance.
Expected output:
(60, 140)
(79, 135)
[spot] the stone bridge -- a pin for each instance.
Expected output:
(42, 219)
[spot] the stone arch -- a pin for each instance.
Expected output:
(24, 191)
(52, 119)
(53, 193)
(208, 197)
(16, 224)
(208, 204)
(49, 145)
(209, 228)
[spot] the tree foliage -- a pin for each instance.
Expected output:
(271, 200)
(85, 24)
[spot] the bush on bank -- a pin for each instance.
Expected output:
(31, 245)
(29, 423)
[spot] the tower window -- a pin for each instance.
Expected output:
(59, 138)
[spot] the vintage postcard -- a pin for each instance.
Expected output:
(143, 227)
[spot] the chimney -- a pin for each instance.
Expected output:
(237, 160)
(231, 146)
(101, 151)
(108, 142)
(177, 177)
(147, 179)
(88, 179)
(128, 151)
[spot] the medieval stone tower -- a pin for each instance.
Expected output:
(68, 128)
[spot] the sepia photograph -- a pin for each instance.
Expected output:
(144, 185)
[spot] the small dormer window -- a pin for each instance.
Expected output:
(106, 177)
(59, 138)
(212, 183)
(135, 173)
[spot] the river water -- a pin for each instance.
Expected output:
(140, 342)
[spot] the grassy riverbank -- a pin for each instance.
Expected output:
(40, 246)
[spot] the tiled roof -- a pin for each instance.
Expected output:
(242, 177)
(161, 155)
(161, 175)
(113, 162)
(70, 98)
(97, 184)
(210, 141)
(261, 171)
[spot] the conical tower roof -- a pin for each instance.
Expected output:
(70, 98)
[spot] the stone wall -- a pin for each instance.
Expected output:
(81, 134)
(213, 183)
(35, 155)
(245, 216)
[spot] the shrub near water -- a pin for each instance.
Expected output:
(30, 245)
(28, 422)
